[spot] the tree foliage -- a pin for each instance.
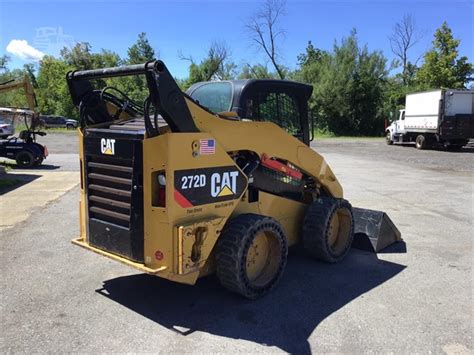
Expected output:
(348, 86)
(215, 66)
(256, 71)
(141, 51)
(443, 67)
(353, 92)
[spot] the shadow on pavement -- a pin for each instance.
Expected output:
(10, 182)
(14, 166)
(309, 292)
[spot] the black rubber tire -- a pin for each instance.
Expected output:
(38, 162)
(232, 248)
(69, 126)
(388, 139)
(420, 142)
(316, 227)
(25, 159)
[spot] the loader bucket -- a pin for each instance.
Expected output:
(373, 230)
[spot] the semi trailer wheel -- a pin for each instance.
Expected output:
(25, 159)
(251, 255)
(328, 229)
(388, 139)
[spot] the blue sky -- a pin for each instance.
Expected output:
(190, 26)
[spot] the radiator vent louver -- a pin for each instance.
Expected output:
(110, 189)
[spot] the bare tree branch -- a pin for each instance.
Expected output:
(183, 57)
(217, 55)
(264, 32)
(404, 36)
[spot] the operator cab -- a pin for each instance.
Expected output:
(282, 102)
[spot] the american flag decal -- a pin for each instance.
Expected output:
(207, 146)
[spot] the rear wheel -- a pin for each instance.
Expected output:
(420, 142)
(25, 159)
(388, 139)
(328, 229)
(251, 255)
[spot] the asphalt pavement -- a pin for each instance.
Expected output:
(416, 297)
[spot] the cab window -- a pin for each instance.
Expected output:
(215, 96)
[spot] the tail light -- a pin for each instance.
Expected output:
(46, 153)
(159, 189)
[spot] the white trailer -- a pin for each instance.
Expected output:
(438, 117)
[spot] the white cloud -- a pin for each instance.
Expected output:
(21, 49)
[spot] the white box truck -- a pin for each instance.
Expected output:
(432, 118)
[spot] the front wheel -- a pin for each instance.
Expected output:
(388, 138)
(25, 159)
(328, 229)
(251, 255)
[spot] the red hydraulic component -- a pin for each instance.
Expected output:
(280, 167)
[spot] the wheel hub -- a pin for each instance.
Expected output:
(262, 259)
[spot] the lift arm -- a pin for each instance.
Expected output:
(165, 94)
(24, 84)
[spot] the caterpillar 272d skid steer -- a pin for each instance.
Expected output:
(220, 180)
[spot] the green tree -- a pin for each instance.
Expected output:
(215, 66)
(256, 71)
(141, 51)
(4, 59)
(53, 94)
(30, 71)
(348, 87)
(79, 56)
(443, 67)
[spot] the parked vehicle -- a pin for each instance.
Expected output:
(10, 115)
(24, 148)
(57, 122)
(433, 118)
(6, 128)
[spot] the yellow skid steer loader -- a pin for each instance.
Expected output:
(219, 180)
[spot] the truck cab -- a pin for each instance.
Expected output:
(396, 128)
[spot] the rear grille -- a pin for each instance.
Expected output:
(110, 189)
(114, 185)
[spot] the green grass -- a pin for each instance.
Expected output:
(22, 127)
(324, 134)
(6, 165)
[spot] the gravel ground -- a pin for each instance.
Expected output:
(375, 149)
(406, 154)
(56, 297)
